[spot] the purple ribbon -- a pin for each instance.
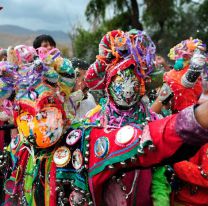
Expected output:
(143, 47)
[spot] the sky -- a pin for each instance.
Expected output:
(43, 14)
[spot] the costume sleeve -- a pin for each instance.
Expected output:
(192, 171)
(165, 140)
(170, 133)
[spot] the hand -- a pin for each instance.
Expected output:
(165, 94)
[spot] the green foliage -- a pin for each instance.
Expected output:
(158, 12)
(86, 44)
(181, 22)
(167, 21)
(202, 16)
(121, 21)
(96, 9)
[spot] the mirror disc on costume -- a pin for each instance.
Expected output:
(62, 156)
(9, 186)
(73, 137)
(125, 135)
(77, 159)
(15, 142)
(101, 147)
(75, 198)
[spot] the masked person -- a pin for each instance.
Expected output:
(192, 172)
(3, 119)
(34, 91)
(79, 102)
(3, 116)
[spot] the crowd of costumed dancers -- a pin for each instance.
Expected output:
(127, 130)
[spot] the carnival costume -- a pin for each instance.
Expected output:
(91, 155)
(35, 94)
(183, 82)
(192, 173)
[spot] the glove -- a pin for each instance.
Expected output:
(198, 60)
(165, 94)
(197, 63)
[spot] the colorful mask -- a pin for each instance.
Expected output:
(119, 49)
(183, 51)
(25, 54)
(42, 130)
(124, 88)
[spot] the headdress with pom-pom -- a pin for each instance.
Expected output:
(182, 52)
(116, 47)
(27, 83)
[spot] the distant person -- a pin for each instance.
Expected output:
(161, 63)
(3, 54)
(82, 99)
(45, 46)
(45, 41)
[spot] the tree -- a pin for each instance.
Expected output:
(157, 13)
(168, 22)
(85, 43)
(171, 21)
(96, 10)
(202, 16)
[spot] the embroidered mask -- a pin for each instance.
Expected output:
(124, 88)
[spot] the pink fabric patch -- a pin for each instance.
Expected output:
(114, 195)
